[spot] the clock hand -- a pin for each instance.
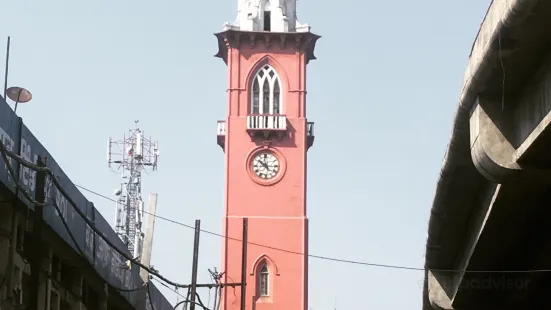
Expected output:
(264, 164)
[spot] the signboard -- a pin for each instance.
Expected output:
(108, 263)
(9, 135)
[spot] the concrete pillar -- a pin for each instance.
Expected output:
(104, 297)
(45, 286)
(11, 254)
(5, 243)
(78, 281)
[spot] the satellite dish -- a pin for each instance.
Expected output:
(19, 94)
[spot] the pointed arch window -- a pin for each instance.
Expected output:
(266, 92)
(263, 280)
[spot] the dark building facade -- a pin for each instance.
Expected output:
(77, 269)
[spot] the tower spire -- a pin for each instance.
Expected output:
(267, 15)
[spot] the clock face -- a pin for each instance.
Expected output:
(265, 165)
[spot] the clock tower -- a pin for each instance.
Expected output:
(265, 138)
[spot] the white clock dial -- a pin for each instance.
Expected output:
(265, 165)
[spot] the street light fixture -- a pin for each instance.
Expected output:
(18, 95)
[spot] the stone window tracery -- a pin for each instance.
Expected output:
(266, 92)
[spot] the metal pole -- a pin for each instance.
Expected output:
(215, 297)
(244, 262)
(195, 264)
(145, 256)
(17, 101)
(6, 68)
(187, 298)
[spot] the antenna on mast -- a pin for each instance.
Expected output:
(15, 93)
(6, 68)
(132, 155)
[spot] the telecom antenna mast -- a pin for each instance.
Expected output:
(132, 155)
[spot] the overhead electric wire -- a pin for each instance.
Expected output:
(259, 244)
(186, 299)
(217, 291)
(52, 179)
(327, 258)
(5, 153)
(170, 288)
(82, 253)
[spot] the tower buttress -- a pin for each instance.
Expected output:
(265, 138)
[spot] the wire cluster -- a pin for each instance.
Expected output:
(6, 154)
(52, 179)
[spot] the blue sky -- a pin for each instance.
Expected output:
(382, 95)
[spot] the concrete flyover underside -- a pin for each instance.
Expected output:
(491, 208)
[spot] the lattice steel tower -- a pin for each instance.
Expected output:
(133, 155)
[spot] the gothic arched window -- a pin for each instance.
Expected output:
(263, 280)
(266, 92)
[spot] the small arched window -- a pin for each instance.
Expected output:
(263, 280)
(267, 25)
(266, 92)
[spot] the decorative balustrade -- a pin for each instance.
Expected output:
(310, 129)
(221, 128)
(264, 123)
(309, 134)
(221, 133)
(267, 122)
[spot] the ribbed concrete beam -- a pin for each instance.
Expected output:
(458, 162)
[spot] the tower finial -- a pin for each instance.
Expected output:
(267, 15)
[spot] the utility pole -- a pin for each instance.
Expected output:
(37, 249)
(6, 69)
(146, 251)
(245, 241)
(192, 288)
(195, 265)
